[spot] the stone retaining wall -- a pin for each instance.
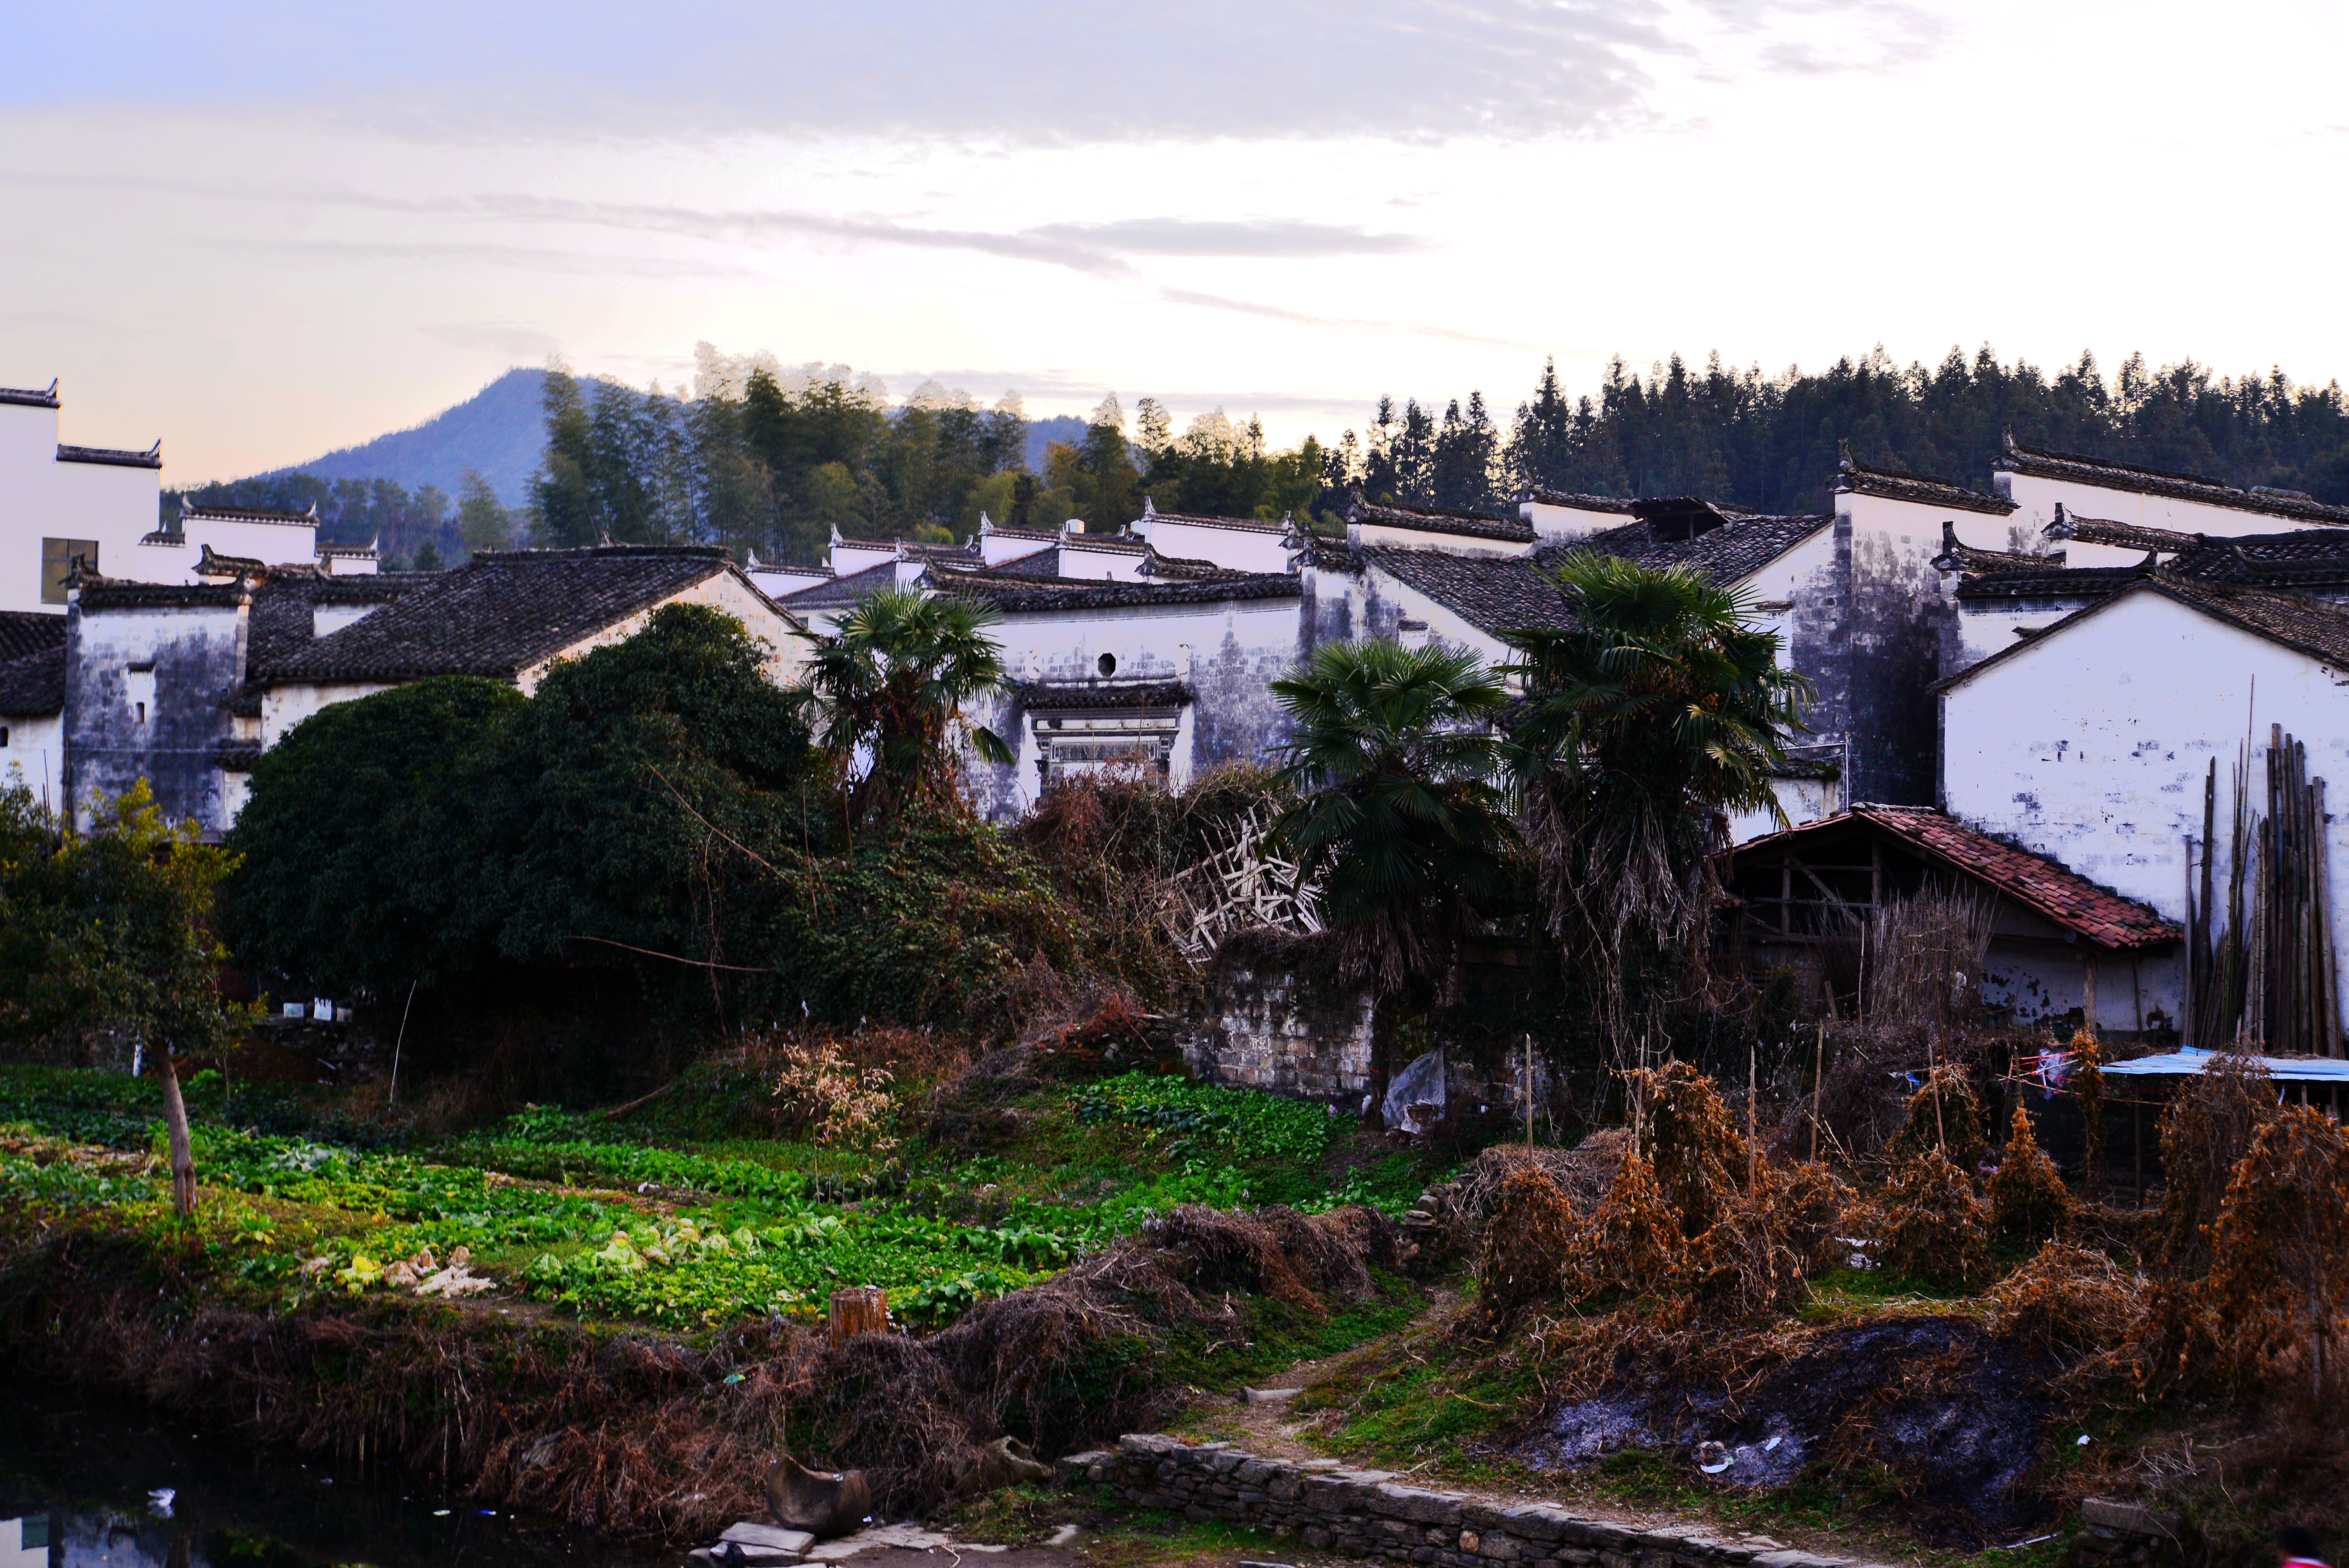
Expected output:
(1363, 1513)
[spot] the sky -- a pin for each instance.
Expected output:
(262, 229)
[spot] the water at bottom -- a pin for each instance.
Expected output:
(86, 1482)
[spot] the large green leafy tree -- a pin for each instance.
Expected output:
(610, 806)
(1654, 711)
(1398, 819)
(358, 855)
(890, 686)
(110, 932)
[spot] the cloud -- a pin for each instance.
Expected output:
(1043, 72)
(1190, 237)
(528, 258)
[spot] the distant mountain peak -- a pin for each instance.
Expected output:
(499, 430)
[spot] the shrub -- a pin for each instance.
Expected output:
(2027, 1200)
(1633, 1244)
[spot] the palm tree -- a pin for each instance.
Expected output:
(890, 683)
(1399, 821)
(1651, 714)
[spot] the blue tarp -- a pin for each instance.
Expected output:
(2190, 1062)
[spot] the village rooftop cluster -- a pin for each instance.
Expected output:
(2045, 688)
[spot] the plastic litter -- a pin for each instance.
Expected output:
(159, 1500)
(1772, 1446)
(1713, 1458)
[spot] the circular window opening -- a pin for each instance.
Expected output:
(1108, 665)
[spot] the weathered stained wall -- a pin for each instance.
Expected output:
(179, 652)
(1228, 653)
(2091, 746)
(1874, 632)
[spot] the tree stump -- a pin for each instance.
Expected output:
(860, 1309)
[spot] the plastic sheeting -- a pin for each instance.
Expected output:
(2190, 1062)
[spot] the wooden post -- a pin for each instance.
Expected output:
(1818, 1087)
(1529, 1094)
(1753, 1118)
(859, 1309)
(2088, 990)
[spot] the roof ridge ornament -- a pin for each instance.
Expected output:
(2059, 530)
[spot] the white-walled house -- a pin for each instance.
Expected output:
(59, 503)
(186, 685)
(2039, 481)
(1232, 544)
(1562, 517)
(1169, 678)
(2091, 741)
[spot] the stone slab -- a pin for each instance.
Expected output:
(752, 1533)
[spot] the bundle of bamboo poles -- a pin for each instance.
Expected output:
(2265, 976)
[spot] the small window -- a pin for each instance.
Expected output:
(142, 713)
(58, 556)
(1108, 665)
(4, 735)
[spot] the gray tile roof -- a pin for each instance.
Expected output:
(284, 610)
(1860, 479)
(34, 684)
(1729, 553)
(1104, 696)
(1491, 593)
(1957, 555)
(30, 399)
(1200, 519)
(2039, 463)
(2309, 559)
(1426, 520)
(307, 518)
(2124, 535)
(1014, 596)
(501, 612)
(845, 590)
(112, 456)
(26, 632)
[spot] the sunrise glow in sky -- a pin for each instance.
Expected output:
(262, 230)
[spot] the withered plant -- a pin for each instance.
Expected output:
(2205, 1133)
(832, 1100)
(1936, 1228)
(2027, 1199)
(2280, 1258)
(2070, 1299)
(1689, 1142)
(1527, 1242)
(1944, 1117)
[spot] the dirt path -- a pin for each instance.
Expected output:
(1277, 1429)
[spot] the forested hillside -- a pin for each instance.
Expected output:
(767, 458)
